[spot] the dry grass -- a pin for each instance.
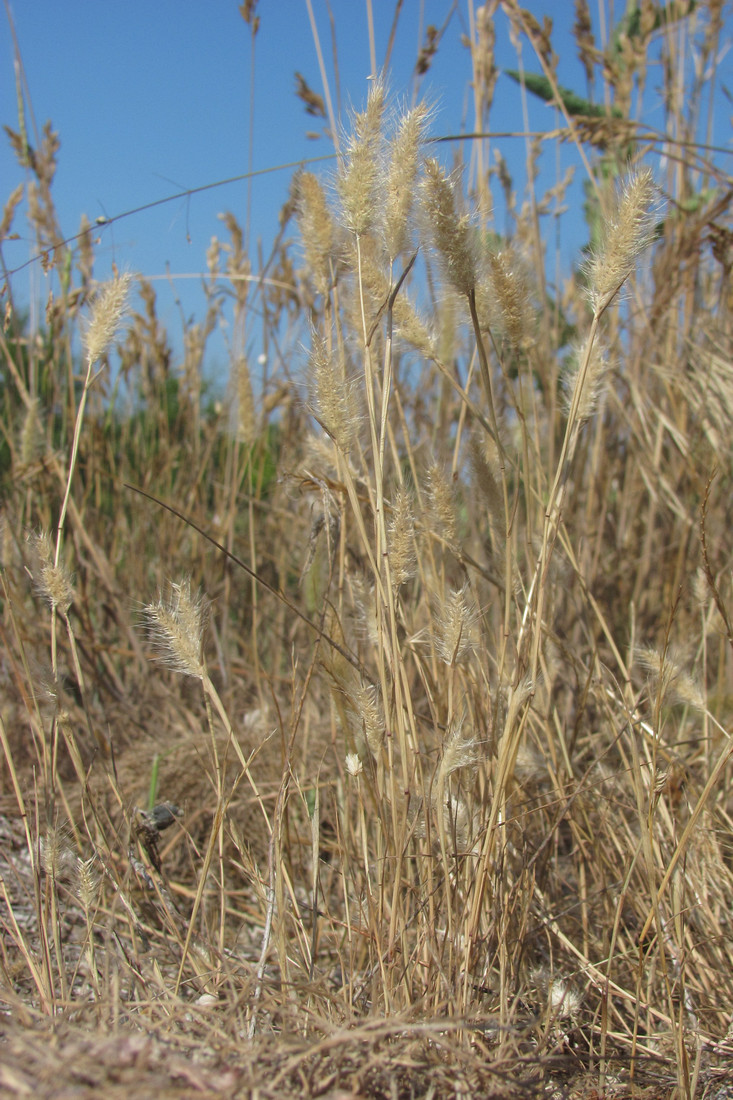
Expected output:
(428, 790)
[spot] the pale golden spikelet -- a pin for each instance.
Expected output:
(85, 260)
(459, 751)
(455, 628)
(628, 230)
(194, 345)
(560, 998)
(452, 233)
(108, 310)
(87, 881)
(8, 543)
(669, 678)
(441, 504)
(325, 522)
(334, 396)
(238, 261)
(485, 462)
(374, 286)
(701, 589)
(411, 327)
(402, 558)
(487, 306)
(516, 697)
(585, 39)
(50, 849)
(529, 766)
(321, 457)
(213, 257)
(592, 379)
(55, 855)
(363, 713)
(401, 176)
(660, 668)
(246, 421)
(176, 629)
(52, 582)
(407, 324)
(31, 437)
(460, 823)
(14, 201)
(447, 339)
(512, 297)
(316, 229)
(365, 611)
(354, 766)
(360, 169)
(483, 53)
(367, 715)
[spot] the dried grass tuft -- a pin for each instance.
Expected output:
(447, 809)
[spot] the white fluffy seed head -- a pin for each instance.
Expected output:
(108, 310)
(354, 765)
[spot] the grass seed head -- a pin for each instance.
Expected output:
(455, 633)
(459, 751)
(593, 378)
(486, 468)
(367, 715)
(564, 1001)
(360, 169)
(668, 677)
(452, 234)
(52, 582)
(441, 503)
(402, 173)
(246, 420)
(402, 556)
(511, 293)
(409, 326)
(628, 231)
(354, 765)
(316, 228)
(55, 854)
(87, 881)
(108, 310)
(176, 627)
(334, 396)
(31, 442)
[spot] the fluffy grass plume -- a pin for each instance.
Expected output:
(452, 233)
(628, 231)
(176, 626)
(107, 311)
(361, 167)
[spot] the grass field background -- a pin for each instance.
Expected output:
(365, 723)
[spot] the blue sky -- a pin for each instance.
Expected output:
(153, 98)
